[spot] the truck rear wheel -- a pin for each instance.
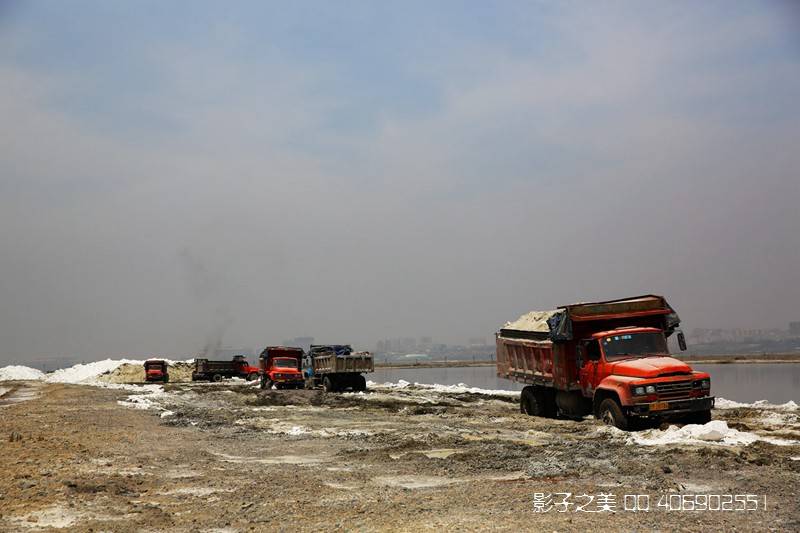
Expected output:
(611, 414)
(216, 378)
(361, 383)
(529, 403)
(328, 385)
(252, 376)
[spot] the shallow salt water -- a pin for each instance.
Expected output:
(774, 382)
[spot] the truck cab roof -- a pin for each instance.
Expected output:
(288, 351)
(627, 329)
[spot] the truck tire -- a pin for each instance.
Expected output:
(530, 402)
(361, 383)
(252, 376)
(216, 378)
(166, 379)
(611, 414)
(328, 385)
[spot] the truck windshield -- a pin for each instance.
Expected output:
(634, 345)
(285, 362)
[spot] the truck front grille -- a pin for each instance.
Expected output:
(674, 390)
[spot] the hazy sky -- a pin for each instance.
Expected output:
(174, 171)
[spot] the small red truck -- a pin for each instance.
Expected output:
(280, 366)
(156, 370)
(609, 359)
(238, 367)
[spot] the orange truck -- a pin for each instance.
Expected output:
(609, 359)
(156, 370)
(280, 366)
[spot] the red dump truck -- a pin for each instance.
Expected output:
(609, 359)
(237, 367)
(156, 370)
(280, 366)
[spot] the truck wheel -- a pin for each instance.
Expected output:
(611, 414)
(328, 385)
(252, 376)
(698, 417)
(361, 383)
(216, 377)
(530, 402)
(166, 379)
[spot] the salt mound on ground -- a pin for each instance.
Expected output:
(722, 403)
(461, 388)
(17, 372)
(83, 373)
(134, 373)
(716, 431)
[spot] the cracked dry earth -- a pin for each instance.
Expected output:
(227, 457)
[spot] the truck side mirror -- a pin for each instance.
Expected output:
(681, 341)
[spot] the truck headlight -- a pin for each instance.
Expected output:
(638, 391)
(651, 389)
(706, 384)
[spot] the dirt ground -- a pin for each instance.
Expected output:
(228, 457)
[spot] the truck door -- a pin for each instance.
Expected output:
(591, 361)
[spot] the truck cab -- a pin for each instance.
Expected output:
(632, 367)
(280, 366)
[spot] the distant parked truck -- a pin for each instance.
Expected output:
(608, 358)
(337, 367)
(156, 370)
(280, 366)
(238, 367)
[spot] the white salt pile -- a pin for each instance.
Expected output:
(16, 372)
(461, 388)
(716, 432)
(83, 373)
(722, 403)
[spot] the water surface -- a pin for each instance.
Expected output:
(775, 382)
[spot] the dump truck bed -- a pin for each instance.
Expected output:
(525, 361)
(539, 347)
(358, 362)
(208, 367)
